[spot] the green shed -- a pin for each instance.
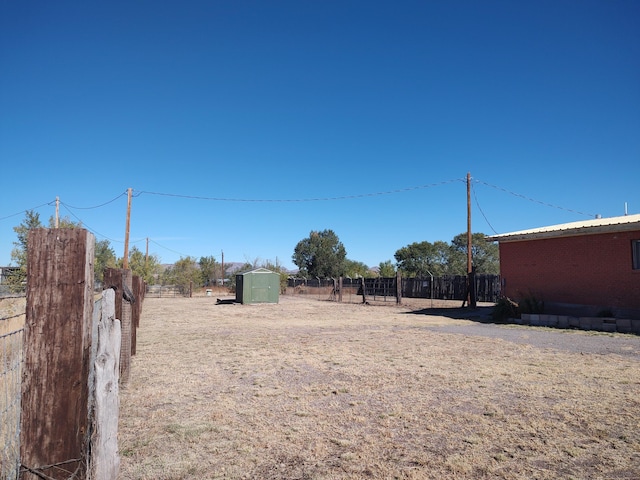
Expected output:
(258, 286)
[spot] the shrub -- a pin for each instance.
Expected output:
(531, 304)
(505, 309)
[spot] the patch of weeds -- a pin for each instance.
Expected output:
(127, 452)
(531, 305)
(504, 310)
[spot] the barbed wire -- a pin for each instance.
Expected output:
(12, 316)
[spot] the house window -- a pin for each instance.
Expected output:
(635, 247)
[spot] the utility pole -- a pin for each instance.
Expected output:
(125, 259)
(146, 256)
(471, 277)
(469, 257)
(57, 212)
(222, 267)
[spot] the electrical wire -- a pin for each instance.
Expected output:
(299, 200)
(480, 208)
(96, 206)
(534, 200)
(28, 209)
(173, 251)
(84, 225)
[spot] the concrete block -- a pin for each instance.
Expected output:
(552, 320)
(635, 326)
(608, 324)
(534, 319)
(584, 323)
(574, 322)
(526, 319)
(596, 323)
(623, 325)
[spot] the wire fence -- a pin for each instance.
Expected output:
(12, 318)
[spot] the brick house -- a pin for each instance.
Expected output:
(579, 268)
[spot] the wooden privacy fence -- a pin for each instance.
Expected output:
(73, 360)
(452, 287)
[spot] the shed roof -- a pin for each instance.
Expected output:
(256, 270)
(586, 227)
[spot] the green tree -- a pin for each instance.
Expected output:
(320, 255)
(208, 270)
(64, 222)
(143, 266)
(422, 258)
(19, 252)
(355, 269)
(182, 273)
(31, 220)
(485, 254)
(278, 268)
(105, 257)
(387, 269)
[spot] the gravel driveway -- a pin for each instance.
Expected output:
(576, 341)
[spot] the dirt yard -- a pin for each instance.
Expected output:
(310, 389)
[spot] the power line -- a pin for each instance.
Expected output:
(480, 208)
(173, 251)
(96, 206)
(28, 209)
(299, 200)
(84, 225)
(534, 200)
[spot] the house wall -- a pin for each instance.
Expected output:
(591, 270)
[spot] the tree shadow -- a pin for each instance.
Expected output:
(479, 314)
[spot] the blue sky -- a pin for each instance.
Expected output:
(360, 117)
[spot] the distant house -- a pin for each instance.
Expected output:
(579, 268)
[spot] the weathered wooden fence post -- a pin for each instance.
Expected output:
(137, 286)
(57, 352)
(398, 288)
(120, 279)
(105, 461)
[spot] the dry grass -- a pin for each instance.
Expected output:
(319, 390)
